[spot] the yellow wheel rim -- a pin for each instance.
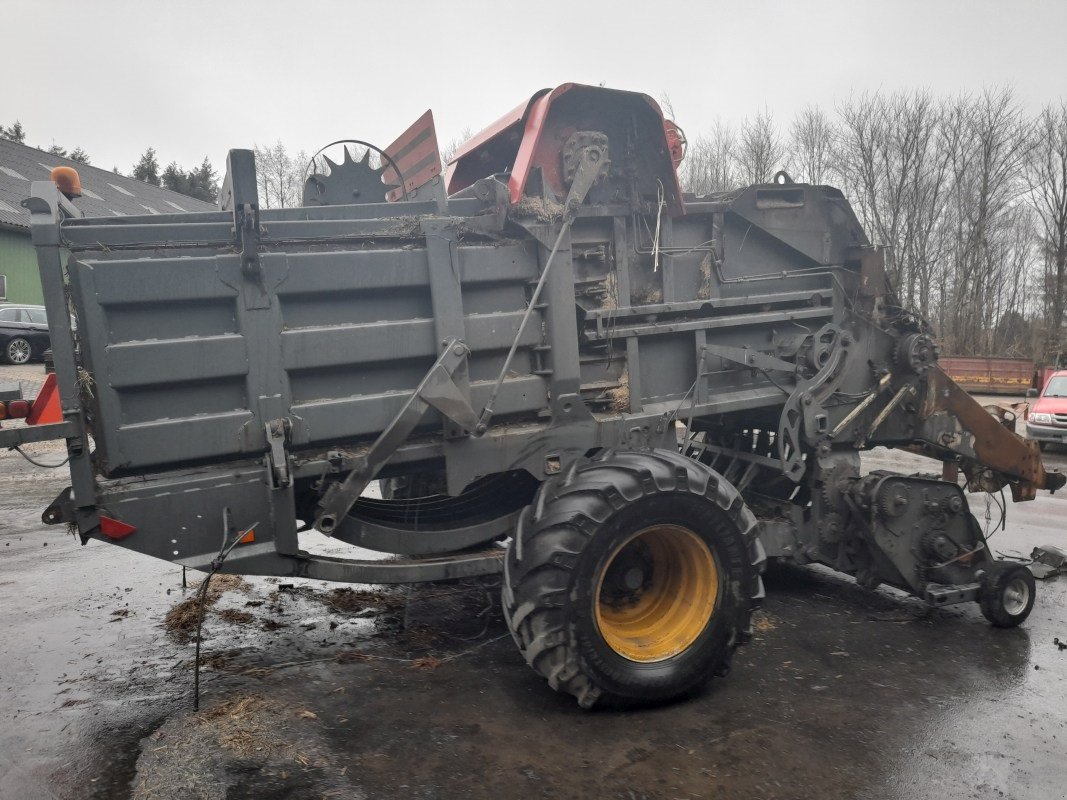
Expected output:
(656, 593)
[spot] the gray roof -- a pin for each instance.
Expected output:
(104, 194)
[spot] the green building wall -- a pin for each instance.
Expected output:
(18, 261)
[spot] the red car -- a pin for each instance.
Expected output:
(1047, 420)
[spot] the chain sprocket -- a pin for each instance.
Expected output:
(916, 352)
(350, 182)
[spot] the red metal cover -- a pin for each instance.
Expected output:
(417, 156)
(532, 134)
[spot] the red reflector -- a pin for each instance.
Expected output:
(46, 407)
(17, 409)
(115, 529)
(248, 538)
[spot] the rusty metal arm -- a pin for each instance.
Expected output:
(953, 422)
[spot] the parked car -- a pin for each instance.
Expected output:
(23, 332)
(1046, 421)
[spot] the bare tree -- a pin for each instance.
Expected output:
(448, 152)
(1046, 177)
(990, 147)
(760, 149)
(710, 162)
(811, 145)
(280, 176)
(891, 159)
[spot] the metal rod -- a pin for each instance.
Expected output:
(487, 412)
(882, 384)
(905, 391)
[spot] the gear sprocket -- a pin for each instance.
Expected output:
(835, 482)
(350, 182)
(916, 353)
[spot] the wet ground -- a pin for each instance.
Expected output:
(310, 692)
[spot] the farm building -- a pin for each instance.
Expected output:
(104, 193)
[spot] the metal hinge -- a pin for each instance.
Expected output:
(278, 459)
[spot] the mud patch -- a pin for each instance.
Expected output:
(354, 601)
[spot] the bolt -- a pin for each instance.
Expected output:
(634, 578)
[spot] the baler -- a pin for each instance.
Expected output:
(555, 365)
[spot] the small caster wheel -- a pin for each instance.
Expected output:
(1007, 594)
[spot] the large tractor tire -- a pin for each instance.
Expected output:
(632, 577)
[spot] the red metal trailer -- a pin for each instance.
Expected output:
(984, 375)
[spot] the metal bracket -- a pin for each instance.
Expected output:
(240, 194)
(246, 223)
(750, 358)
(277, 433)
(588, 161)
(436, 390)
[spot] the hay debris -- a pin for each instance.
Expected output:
(235, 616)
(619, 397)
(762, 622)
(180, 621)
(539, 208)
(704, 289)
(240, 726)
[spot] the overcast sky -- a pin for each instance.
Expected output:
(198, 78)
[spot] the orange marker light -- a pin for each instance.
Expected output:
(248, 538)
(17, 409)
(67, 181)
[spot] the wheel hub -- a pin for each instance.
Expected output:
(1016, 597)
(656, 593)
(18, 351)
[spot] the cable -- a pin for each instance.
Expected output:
(19, 450)
(216, 563)
(660, 203)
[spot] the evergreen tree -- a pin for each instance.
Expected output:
(79, 155)
(204, 184)
(16, 133)
(147, 169)
(175, 178)
(56, 150)
(200, 183)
